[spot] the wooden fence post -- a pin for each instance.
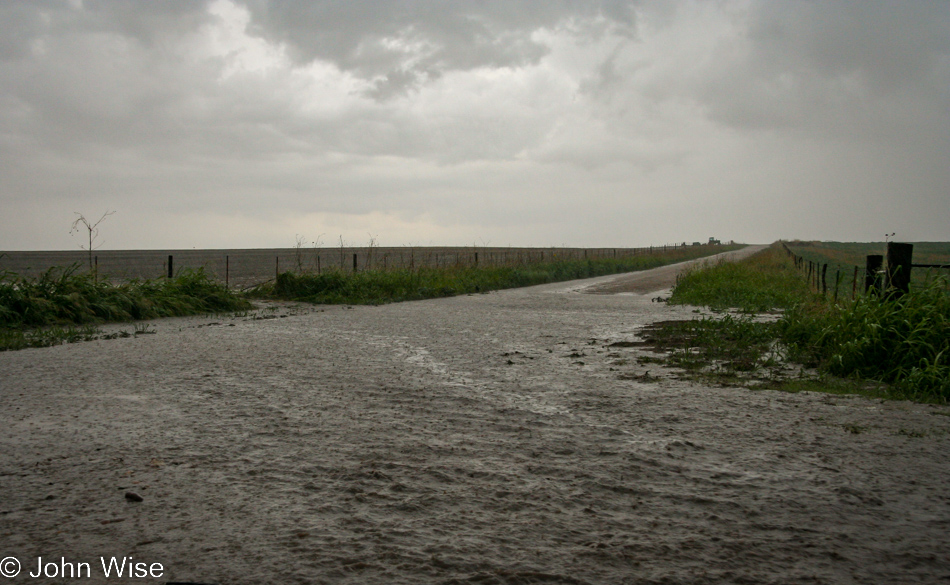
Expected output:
(171, 269)
(824, 281)
(354, 262)
(899, 263)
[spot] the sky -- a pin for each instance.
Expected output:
(258, 123)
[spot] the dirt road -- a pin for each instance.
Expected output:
(493, 438)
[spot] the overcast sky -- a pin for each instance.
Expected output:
(248, 123)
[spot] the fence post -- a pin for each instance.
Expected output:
(354, 262)
(171, 270)
(824, 281)
(95, 273)
(872, 272)
(898, 268)
(276, 267)
(837, 279)
(854, 283)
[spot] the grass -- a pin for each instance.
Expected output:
(376, 287)
(855, 253)
(64, 305)
(844, 256)
(904, 342)
(763, 282)
(874, 345)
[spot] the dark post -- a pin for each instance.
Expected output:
(854, 283)
(276, 267)
(354, 262)
(824, 281)
(171, 270)
(899, 260)
(837, 280)
(476, 258)
(872, 272)
(95, 274)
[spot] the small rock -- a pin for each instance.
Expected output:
(133, 497)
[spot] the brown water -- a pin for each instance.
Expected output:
(476, 439)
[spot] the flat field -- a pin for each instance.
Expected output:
(244, 268)
(855, 253)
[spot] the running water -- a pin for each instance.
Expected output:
(491, 438)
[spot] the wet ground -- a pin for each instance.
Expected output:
(494, 438)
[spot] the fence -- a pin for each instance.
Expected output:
(890, 272)
(245, 268)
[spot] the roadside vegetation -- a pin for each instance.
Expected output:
(386, 286)
(782, 335)
(763, 282)
(64, 304)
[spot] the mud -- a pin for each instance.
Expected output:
(483, 439)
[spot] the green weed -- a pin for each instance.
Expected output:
(902, 344)
(34, 311)
(375, 287)
(762, 282)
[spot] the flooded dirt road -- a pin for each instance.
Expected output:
(491, 439)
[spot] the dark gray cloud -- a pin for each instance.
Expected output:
(25, 23)
(597, 123)
(404, 43)
(846, 67)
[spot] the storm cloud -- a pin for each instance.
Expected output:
(613, 123)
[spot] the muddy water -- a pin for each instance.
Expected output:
(491, 438)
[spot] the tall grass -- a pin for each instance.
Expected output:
(374, 287)
(904, 342)
(762, 282)
(66, 297)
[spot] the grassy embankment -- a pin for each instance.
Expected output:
(377, 286)
(64, 305)
(872, 345)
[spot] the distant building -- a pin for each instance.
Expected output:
(714, 242)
